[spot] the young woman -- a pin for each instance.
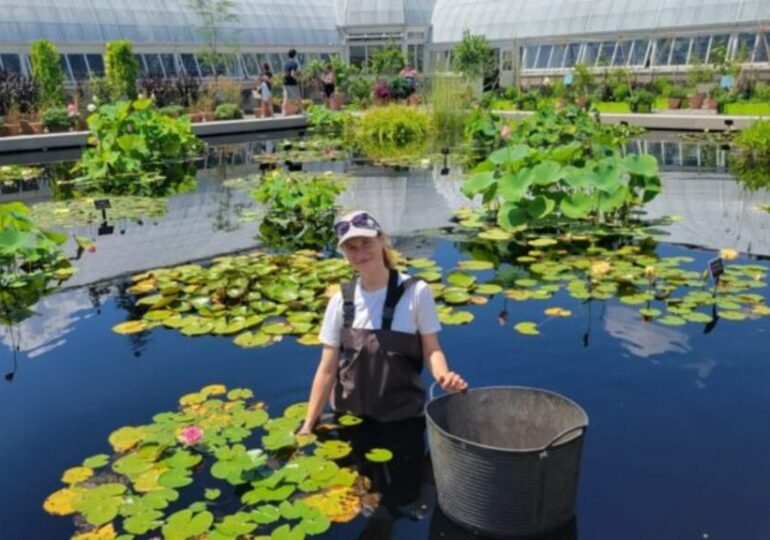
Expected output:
(328, 81)
(377, 333)
(266, 91)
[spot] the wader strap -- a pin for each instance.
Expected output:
(394, 294)
(348, 303)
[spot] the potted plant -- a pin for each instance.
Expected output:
(57, 119)
(12, 121)
(30, 124)
(676, 96)
(695, 101)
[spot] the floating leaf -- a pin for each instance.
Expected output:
(527, 328)
(349, 420)
(542, 242)
(60, 503)
(379, 455)
(249, 340)
(461, 279)
(488, 288)
(732, 315)
(183, 525)
(97, 461)
(728, 254)
(126, 438)
(671, 320)
(130, 327)
(475, 265)
(75, 475)
(455, 317)
(333, 449)
(558, 312)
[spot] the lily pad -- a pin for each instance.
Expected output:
(527, 328)
(379, 455)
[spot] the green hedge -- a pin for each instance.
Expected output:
(613, 107)
(748, 108)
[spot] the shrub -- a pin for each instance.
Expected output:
(753, 144)
(642, 101)
(121, 69)
(473, 56)
(17, 94)
(57, 119)
(137, 151)
(387, 61)
(228, 111)
(620, 92)
(393, 131)
(325, 120)
(399, 88)
(47, 72)
(360, 88)
(381, 89)
(174, 111)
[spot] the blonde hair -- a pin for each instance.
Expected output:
(387, 255)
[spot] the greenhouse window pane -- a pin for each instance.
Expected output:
(204, 66)
(662, 52)
(325, 57)
(605, 53)
(78, 65)
(761, 54)
(680, 51)
(557, 56)
(251, 64)
(65, 67)
(232, 66)
(276, 62)
(96, 64)
(700, 46)
(140, 61)
(530, 55)
(639, 52)
(744, 52)
(11, 62)
(718, 48)
(190, 66)
(544, 56)
(622, 53)
(571, 55)
(169, 64)
(590, 53)
(154, 67)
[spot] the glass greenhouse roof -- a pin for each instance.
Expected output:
(524, 19)
(145, 22)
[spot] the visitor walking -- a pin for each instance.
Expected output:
(292, 101)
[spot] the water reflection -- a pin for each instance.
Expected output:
(443, 528)
(643, 339)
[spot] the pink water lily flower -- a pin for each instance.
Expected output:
(72, 110)
(505, 133)
(191, 435)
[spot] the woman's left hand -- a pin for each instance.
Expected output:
(452, 382)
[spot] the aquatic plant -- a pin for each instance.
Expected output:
(137, 151)
(753, 145)
(219, 467)
(601, 265)
(327, 121)
(77, 212)
(11, 174)
(300, 211)
(314, 149)
(393, 131)
(31, 261)
(564, 166)
(449, 97)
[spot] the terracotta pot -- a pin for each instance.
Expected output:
(710, 104)
(12, 129)
(26, 126)
(674, 103)
(291, 108)
(696, 101)
(208, 116)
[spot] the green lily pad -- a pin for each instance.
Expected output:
(527, 328)
(379, 455)
(475, 265)
(249, 340)
(183, 525)
(456, 296)
(456, 317)
(488, 289)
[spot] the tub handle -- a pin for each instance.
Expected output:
(432, 392)
(564, 434)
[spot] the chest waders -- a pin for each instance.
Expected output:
(379, 375)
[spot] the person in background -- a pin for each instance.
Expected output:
(266, 91)
(291, 93)
(409, 74)
(328, 79)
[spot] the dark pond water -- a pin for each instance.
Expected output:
(678, 443)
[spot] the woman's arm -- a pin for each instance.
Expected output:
(434, 357)
(323, 382)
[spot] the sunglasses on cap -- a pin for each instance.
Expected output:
(361, 221)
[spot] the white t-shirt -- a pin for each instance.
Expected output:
(415, 312)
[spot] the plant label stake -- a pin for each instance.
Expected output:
(716, 268)
(103, 205)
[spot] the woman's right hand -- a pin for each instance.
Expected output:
(305, 430)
